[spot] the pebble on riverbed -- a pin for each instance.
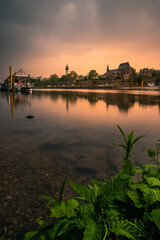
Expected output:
(30, 116)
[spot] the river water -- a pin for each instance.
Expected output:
(70, 134)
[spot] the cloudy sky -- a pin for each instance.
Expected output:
(42, 36)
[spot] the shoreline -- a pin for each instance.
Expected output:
(103, 88)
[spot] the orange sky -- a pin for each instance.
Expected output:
(43, 36)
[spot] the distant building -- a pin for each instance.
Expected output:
(124, 71)
(146, 72)
(111, 73)
(66, 69)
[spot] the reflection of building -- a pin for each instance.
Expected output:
(67, 69)
(124, 71)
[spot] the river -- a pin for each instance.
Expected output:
(69, 133)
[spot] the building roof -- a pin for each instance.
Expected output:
(124, 66)
(113, 71)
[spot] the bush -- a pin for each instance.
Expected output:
(117, 209)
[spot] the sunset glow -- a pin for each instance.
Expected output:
(43, 36)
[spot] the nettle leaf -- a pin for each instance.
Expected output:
(86, 209)
(60, 227)
(151, 195)
(84, 192)
(112, 214)
(29, 235)
(127, 167)
(93, 231)
(150, 166)
(135, 197)
(153, 182)
(71, 206)
(137, 169)
(122, 197)
(58, 210)
(124, 228)
(155, 217)
(112, 189)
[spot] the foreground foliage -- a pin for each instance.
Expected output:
(121, 208)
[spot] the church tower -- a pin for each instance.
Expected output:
(67, 69)
(107, 68)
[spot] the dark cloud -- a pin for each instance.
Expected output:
(36, 27)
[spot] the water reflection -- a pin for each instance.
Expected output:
(11, 102)
(123, 101)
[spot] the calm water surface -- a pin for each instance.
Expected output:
(71, 135)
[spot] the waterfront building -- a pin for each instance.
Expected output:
(123, 71)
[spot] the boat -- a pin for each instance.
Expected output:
(20, 82)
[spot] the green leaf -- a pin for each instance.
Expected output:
(153, 182)
(124, 229)
(58, 210)
(137, 169)
(127, 167)
(93, 231)
(29, 235)
(49, 199)
(125, 139)
(150, 166)
(122, 197)
(151, 153)
(151, 195)
(120, 145)
(60, 227)
(61, 190)
(82, 190)
(135, 197)
(155, 217)
(71, 206)
(136, 139)
(112, 214)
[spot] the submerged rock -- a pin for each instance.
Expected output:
(30, 116)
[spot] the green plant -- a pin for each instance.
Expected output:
(154, 154)
(118, 209)
(129, 143)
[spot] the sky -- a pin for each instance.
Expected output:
(42, 36)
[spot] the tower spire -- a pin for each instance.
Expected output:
(67, 69)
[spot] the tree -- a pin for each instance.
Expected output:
(157, 81)
(71, 77)
(154, 73)
(139, 79)
(131, 80)
(92, 74)
(54, 79)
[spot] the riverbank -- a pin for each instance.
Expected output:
(103, 88)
